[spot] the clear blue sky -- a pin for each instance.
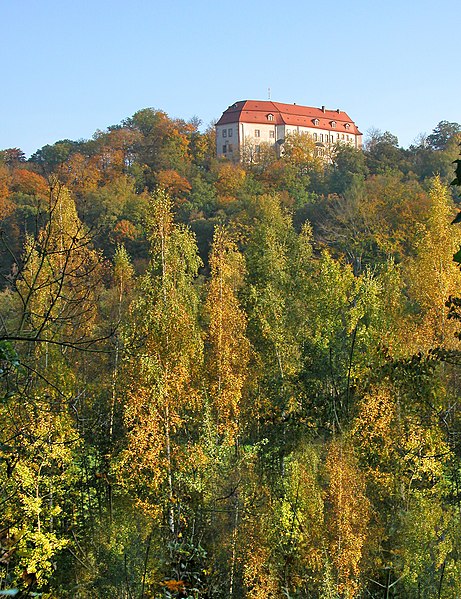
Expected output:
(70, 67)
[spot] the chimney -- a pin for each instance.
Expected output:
(323, 108)
(338, 111)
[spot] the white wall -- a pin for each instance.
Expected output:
(234, 135)
(227, 135)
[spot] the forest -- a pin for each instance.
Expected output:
(230, 380)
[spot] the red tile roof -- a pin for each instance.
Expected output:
(257, 111)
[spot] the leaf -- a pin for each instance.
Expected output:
(457, 180)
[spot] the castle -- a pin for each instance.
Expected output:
(255, 123)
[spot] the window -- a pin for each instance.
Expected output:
(333, 124)
(231, 148)
(229, 132)
(342, 136)
(224, 149)
(270, 117)
(347, 126)
(258, 150)
(316, 122)
(257, 133)
(315, 136)
(224, 133)
(321, 137)
(272, 134)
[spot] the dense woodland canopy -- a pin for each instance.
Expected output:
(229, 379)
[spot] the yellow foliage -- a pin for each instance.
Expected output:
(230, 179)
(300, 150)
(259, 579)
(229, 349)
(432, 276)
(348, 516)
(371, 431)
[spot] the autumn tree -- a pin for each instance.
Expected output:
(163, 355)
(228, 353)
(432, 276)
(348, 516)
(49, 314)
(373, 220)
(230, 180)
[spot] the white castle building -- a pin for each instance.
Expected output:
(256, 122)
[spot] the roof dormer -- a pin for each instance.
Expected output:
(333, 124)
(316, 122)
(270, 117)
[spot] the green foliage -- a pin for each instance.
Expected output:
(349, 164)
(443, 134)
(9, 359)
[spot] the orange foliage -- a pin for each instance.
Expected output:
(300, 150)
(176, 586)
(121, 140)
(115, 152)
(29, 182)
(173, 183)
(81, 174)
(6, 207)
(275, 173)
(258, 576)
(125, 229)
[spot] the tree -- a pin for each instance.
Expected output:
(163, 354)
(382, 153)
(230, 180)
(49, 318)
(442, 134)
(348, 165)
(178, 187)
(6, 205)
(375, 219)
(51, 157)
(432, 276)
(163, 143)
(228, 353)
(12, 157)
(348, 517)
(434, 157)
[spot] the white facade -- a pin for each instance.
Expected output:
(231, 138)
(252, 124)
